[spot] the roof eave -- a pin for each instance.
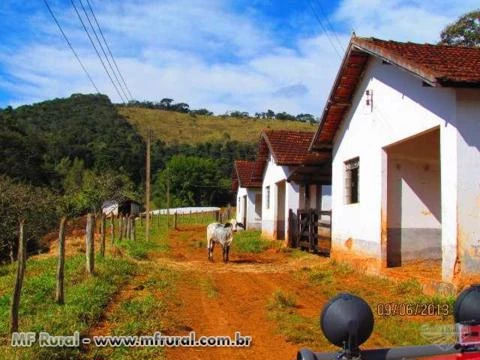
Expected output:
(415, 70)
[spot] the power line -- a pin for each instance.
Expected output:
(108, 48)
(103, 50)
(70, 45)
(96, 50)
(325, 30)
(329, 24)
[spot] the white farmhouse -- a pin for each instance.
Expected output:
(290, 178)
(249, 195)
(403, 124)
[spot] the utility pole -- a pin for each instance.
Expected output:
(147, 187)
(168, 198)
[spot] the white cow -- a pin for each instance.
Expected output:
(221, 234)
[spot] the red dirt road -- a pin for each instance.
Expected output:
(242, 291)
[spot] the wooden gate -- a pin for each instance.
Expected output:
(303, 231)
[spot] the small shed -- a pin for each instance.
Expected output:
(123, 207)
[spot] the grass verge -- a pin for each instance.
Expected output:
(333, 277)
(297, 329)
(142, 313)
(85, 299)
(251, 242)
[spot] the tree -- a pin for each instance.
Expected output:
(36, 205)
(239, 114)
(465, 31)
(181, 107)
(284, 116)
(306, 118)
(165, 103)
(270, 114)
(202, 111)
(194, 181)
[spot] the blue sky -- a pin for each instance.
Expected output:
(224, 55)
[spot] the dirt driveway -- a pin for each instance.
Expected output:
(234, 297)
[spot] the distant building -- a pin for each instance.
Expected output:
(123, 207)
(292, 179)
(249, 195)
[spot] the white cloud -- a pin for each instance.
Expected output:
(208, 55)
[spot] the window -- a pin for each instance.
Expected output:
(258, 206)
(352, 171)
(267, 196)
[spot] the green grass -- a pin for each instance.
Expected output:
(143, 314)
(209, 287)
(141, 249)
(85, 299)
(281, 300)
(331, 278)
(298, 329)
(251, 242)
(172, 127)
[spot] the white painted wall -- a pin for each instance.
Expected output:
(402, 107)
(273, 175)
(468, 181)
(254, 220)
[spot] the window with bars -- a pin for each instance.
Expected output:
(352, 172)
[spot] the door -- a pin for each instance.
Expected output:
(244, 211)
(280, 211)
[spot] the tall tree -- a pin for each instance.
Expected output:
(465, 31)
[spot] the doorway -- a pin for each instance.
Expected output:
(280, 211)
(414, 224)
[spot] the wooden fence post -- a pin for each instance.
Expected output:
(229, 210)
(112, 226)
(90, 250)
(120, 227)
(134, 233)
(175, 221)
(102, 239)
(128, 227)
(60, 293)
(22, 260)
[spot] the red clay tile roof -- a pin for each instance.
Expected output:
(444, 64)
(288, 148)
(242, 175)
(437, 65)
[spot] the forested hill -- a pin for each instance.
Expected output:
(55, 143)
(37, 140)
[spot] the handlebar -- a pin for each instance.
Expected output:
(401, 353)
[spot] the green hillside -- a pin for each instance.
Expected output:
(173, 127)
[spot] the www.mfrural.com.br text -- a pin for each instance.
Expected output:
(44, 339)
